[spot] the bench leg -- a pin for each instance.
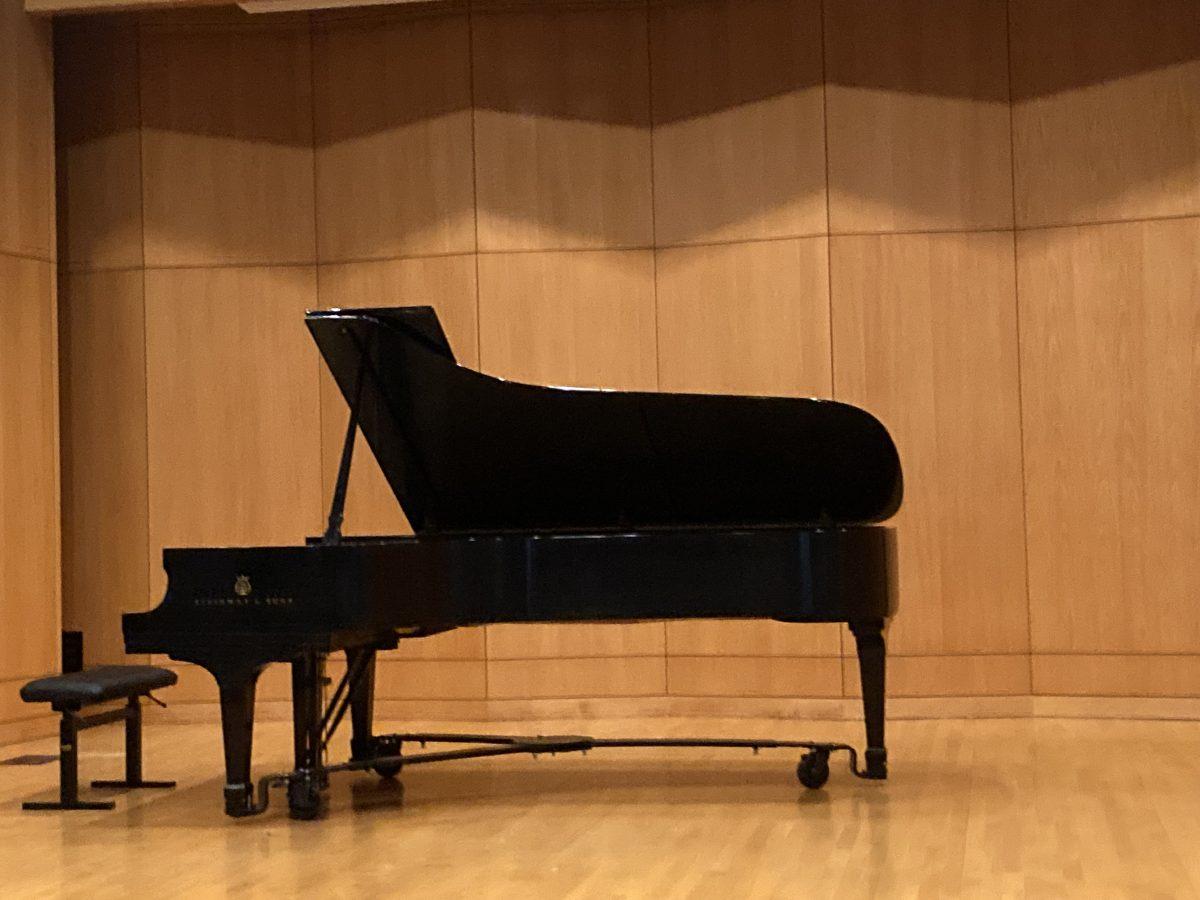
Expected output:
(68, 771)
(133, 752)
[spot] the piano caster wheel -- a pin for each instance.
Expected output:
(813, 769)
(387, 770)
(306, 800)
(386, 745)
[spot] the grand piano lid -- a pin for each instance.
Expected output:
(466, 452)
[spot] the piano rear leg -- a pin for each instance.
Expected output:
(362, 704)
(237, 685)
(872, 657)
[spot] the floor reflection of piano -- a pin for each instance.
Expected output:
(536, 504)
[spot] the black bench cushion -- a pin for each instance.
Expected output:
(97, 685)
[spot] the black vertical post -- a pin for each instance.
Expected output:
(309, 778)
(237, 726)
(872, 656)
(72, 651)
(68, 769)
(133, 741)
(362, 704)
(68, 760)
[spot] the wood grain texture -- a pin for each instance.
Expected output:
(575, 641)
(26, 134)
(917, 115)
(739, 125)
(227, 144)
(724, 676)
(1106, 109)
(104, 463)
(746, 319)
(562, 127)
(975, 675)
(99, 143)
(630, 676)
(1117, 675)
(29, 476)
(741, 637)
(431, 679)
(1111, 387)
(394, 136)
(925, 337)
(996, 808)
(447, 284)
(232, 388)
(582, 319)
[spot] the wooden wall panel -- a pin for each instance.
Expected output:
(918, 119)
(1106, 109)
(925, 337)
(26, 134)
(579, 319)
(443, 679)
(105, 559)
(975, 675)
(99, 143)
(232, 387)
(227, 144)
(1114, 675)
(734, 676)
(1109, 332)
(446, 283)
(394, 136)
(512, 679)
(746, 319)
(29, 478)
(562, 127)
(739, 123)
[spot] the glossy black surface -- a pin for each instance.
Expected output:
(424, 584)
(467, 452)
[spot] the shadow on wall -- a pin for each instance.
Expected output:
(545, 124)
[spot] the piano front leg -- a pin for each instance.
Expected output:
(872, 658)
(237, 682)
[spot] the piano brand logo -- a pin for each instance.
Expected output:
(242, 591)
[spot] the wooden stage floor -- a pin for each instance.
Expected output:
(983, 808)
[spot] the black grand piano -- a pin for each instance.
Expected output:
(536, 504)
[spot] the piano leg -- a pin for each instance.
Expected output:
(362, 704)
(872, 656)
(308, 779)
(237, 684)
(364, 743)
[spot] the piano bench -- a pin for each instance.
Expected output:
(68, 694)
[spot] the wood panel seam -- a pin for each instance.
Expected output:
(1017, 324)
